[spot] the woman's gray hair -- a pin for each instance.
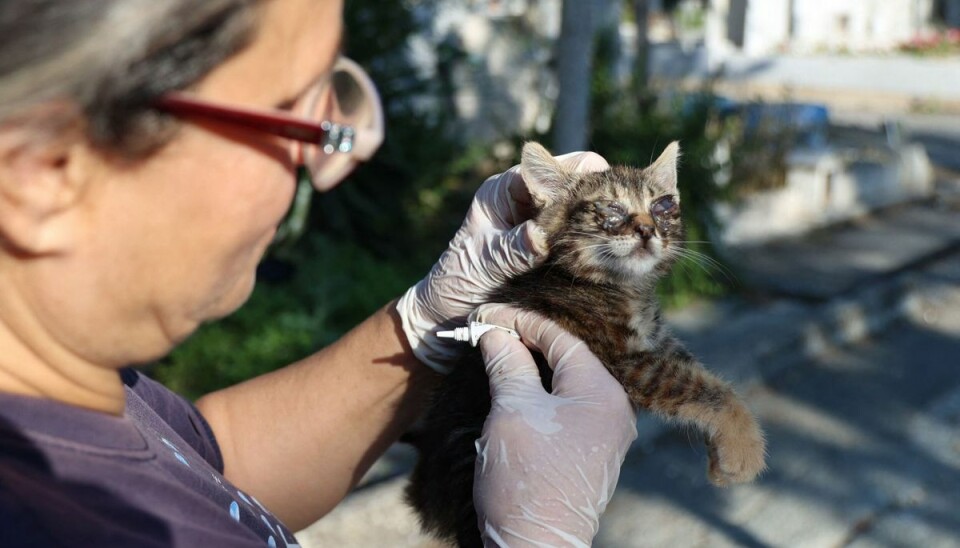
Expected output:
(109, 60)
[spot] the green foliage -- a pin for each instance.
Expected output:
(690, 16)
(381, 205)
(760, 162)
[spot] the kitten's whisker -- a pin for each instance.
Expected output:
(698, 259)
(686, 268)
(704, 261)
(576, 241)
(605, 251)
(709, 260)
(590, 234)
(605, 246)
(684, 257)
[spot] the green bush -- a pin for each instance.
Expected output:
(382, 205)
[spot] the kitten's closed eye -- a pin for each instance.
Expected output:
(613, 215)
(664, 206)
(616, 208)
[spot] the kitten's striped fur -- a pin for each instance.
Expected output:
(611, 235)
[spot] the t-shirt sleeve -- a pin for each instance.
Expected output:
(179, 413)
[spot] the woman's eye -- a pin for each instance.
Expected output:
(664, 206)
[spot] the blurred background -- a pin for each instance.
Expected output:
(821, 171)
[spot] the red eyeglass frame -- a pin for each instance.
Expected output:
(272, 122)
(327, 136)
(355, 141)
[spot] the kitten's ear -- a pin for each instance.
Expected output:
(546, 179)
(663, 172)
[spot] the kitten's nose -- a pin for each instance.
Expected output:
(645, 231)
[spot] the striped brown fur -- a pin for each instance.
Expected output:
(611, 235)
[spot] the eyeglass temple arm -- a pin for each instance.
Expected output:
(281, 125)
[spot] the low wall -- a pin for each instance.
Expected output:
(827, 186)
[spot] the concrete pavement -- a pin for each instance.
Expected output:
(858, 389)
(864, 446)
(836, 260)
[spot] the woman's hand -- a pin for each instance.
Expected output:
(496, 241)
(547, 463)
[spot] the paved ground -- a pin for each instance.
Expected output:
(834, 261)
(864, 449)
(858, 389)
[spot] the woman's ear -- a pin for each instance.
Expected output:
(40, 181)
(545, 178)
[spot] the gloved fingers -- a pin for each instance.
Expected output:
(513, 252)
(558, 346)
(509, 365)
(506, 316)
(578, 373)
(582, 162)
(500, 203)
(478, 265)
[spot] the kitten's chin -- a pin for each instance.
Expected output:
(631, 263)
(638, 265)
(641, 253)
(652, 251)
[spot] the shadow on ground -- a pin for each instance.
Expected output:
(864, 451)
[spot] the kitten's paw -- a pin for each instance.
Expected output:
(737, 454)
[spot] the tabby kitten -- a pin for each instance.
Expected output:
(611, 235)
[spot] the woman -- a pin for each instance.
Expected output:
(148, 151)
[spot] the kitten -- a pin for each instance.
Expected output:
(611, 235)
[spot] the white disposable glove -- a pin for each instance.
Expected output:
(547, 463)
(495, 242)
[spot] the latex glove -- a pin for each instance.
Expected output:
(495, 242)
(547, 464)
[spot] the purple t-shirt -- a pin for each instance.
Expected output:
(153, 477)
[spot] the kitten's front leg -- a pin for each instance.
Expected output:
(737, 451)
(672, 383)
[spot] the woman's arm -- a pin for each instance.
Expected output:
(301, 437)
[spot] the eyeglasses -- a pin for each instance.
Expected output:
(338, 122)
